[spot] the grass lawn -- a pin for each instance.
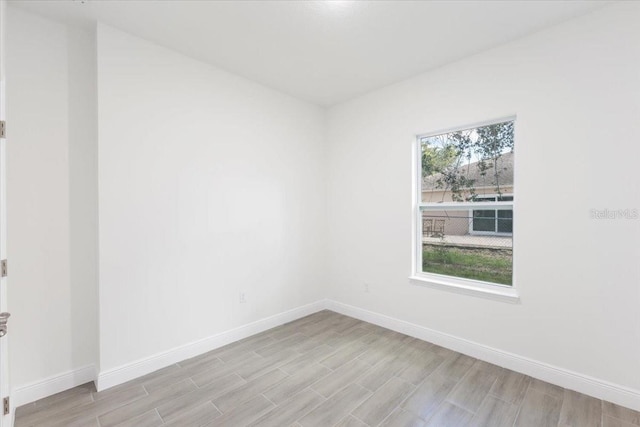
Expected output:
(489, 265)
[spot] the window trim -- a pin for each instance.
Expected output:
(478, 288)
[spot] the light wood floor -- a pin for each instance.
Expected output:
(328, 370)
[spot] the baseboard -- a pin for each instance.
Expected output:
(122, 374)
(52, 385)
(563, 377)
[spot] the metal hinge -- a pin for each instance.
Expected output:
(5, 405)
(3, 129)
(4, 270)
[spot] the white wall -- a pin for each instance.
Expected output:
(209, 185)
(51, 198)
(576, 92)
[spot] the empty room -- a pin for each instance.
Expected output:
(319, 213)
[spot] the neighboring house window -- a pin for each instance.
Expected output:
(491, 221)
(464, 206)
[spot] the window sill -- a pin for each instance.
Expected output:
(467, 287)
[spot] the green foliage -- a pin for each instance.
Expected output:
(493, 141)
(436, 159)
(445, 154)
(454, 180)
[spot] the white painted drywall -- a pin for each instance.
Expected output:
(209, 185)
(51, 198)
(575, 89)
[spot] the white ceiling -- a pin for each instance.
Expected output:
(322, 51)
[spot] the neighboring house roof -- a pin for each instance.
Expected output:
(473, 172)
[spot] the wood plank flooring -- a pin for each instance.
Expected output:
(327, 370)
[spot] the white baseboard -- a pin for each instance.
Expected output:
(122, 374)
(52, 385)
(565, 378)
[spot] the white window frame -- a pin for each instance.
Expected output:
(488, 233)
(495, 291)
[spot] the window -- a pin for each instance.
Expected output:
(492, 221)
(464, 207)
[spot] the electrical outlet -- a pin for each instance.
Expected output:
(366, 287)
(243, 298)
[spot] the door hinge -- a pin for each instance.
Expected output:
(5, 405)
(4, 269)
(3, 129)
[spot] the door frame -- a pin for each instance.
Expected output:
(5, 420)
